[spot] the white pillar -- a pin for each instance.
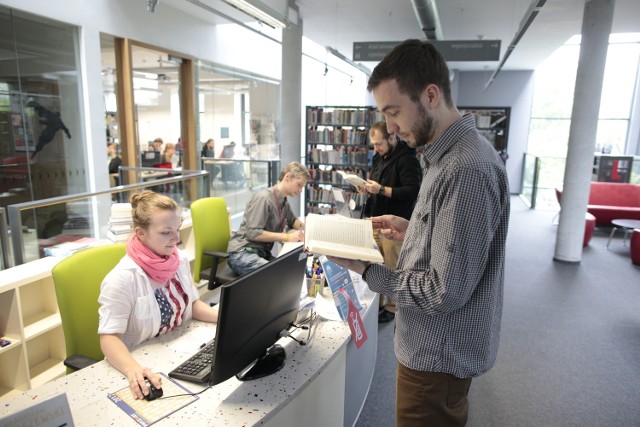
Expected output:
(596, 27)
(291, 90)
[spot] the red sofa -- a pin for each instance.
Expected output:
(609, 200)
(612, 200)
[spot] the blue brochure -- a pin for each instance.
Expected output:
(338, 278)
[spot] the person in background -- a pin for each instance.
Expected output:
(156, 145)
(114, 160)
(228, 151)
(168, 153)
(393, 189)
(267, 217)
(150, 291)
(209, 150)
(448, 285)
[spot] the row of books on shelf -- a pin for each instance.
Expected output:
(341, 156)
(334, 176)
(363, 117)
(337, 136)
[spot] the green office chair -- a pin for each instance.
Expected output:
(77, 282)
(212, 232)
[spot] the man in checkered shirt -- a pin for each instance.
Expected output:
(449, 281)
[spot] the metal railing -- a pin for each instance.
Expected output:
(4, 241)
(15, 211)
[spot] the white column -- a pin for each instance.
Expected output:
(596, 27)
(290, 129)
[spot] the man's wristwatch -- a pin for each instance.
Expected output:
(381, 191)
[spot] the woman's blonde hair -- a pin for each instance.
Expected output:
(295, 169)
(146, 203)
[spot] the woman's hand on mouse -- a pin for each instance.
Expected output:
(136, 379)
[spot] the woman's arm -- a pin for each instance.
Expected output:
(120, 358)
(202, 311)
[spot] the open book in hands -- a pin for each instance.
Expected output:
(340, 237)
(354, 180)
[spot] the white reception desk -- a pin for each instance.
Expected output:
(324, 383)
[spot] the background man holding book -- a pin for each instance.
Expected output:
(393, 189)
(268, 218)
(448, 285)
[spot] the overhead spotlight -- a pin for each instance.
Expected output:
(350, 81)
(151, 5)
(348, 61)
(260, 11)
(326, 69)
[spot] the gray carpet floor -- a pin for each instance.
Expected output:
(570, 343)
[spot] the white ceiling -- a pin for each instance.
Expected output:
(340, 23)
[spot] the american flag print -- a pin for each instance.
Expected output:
(172, 302)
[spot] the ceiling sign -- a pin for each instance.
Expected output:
(452, 50)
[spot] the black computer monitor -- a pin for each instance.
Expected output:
(150, 158)
(254, 310)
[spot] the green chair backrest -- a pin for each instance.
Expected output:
(77, 282)
(211, 230)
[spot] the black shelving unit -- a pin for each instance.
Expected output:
(493, 124)
(337, 138)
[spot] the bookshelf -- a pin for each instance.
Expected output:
(337, 138)
(493, 124)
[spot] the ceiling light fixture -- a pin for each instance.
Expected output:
(529, 16)
(348, 61)
(151, 5)
(260, 11)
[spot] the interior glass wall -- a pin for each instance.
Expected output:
(553, 103)
(240, 113)
(42, 148)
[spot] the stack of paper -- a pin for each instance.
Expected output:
(67, 248)
(120, 222)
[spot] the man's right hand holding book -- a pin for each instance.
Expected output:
(390, 226)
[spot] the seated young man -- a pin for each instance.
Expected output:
(268, 218)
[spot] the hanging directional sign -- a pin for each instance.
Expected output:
(452, 50)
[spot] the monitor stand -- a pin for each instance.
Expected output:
(272, 361)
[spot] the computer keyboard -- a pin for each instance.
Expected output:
(197, 368)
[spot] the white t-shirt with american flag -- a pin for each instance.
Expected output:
(130, 307)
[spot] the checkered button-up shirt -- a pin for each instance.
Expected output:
(450, 276)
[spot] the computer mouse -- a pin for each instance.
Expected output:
(154, 392)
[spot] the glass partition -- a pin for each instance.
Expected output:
(86, 217)
(239, 108)
(529, 180)
(42, 147)
(236, 180)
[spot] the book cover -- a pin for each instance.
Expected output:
(339, 278)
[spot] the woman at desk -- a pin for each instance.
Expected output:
(150, 291)
(168, 155)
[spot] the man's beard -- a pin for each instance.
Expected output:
(424, 129)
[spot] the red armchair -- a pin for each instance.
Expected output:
(634, 246)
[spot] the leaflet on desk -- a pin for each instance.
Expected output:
(339, 278)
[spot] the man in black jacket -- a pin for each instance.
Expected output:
(393, 189)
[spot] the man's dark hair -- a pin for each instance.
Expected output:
(414, 65)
